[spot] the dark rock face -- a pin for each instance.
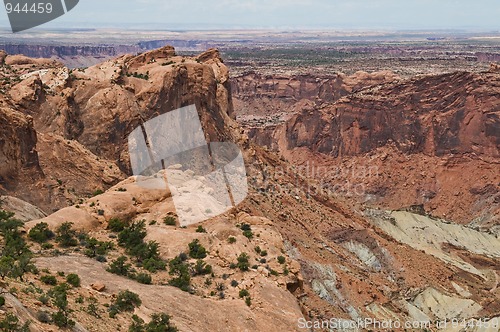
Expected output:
(437, 115)
(17, 146)
(294, 88)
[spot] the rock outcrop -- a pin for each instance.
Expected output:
(83, 117)
(383, 138)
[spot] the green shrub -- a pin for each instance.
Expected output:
(202, 268)
(119, 266)
(231, 240)
(248, 234)
(44, 298)
(98, 192)
(246, 227)
(243, 293)
(170, 221)
(11, 324)
(243, 264)
(41, 233)
(200, 229)
(2, 301)
(96, 248)
(196, 250)
(49, 280)
(59, 295)
(61, 319)
(143, 278)
(116, 225)
(159, 323)
(47, 246)
(66, 235)
(132, 235)
(92, 308)
(180, 270)
(248, 301)
(125, 301)
(153, 265)
(281, 259)
(43, 317)
(73, 279)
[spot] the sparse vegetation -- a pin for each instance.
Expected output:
(281, 259)
(116, 225)
(95, 248)
(243, 293)
(202, 268)
(119, 266)
(15, 259)
(196, 250)
(180, 270)
(11, 324)
(159, 323)
(170, 221)
(66, 235)
(59, 295)
(231, 240)
(48, 280)
(243, 264)
(126, 301)
(143, 278)
(247, 230)
(73, 279)
(41, 233)
(200, 229)
(97, 192)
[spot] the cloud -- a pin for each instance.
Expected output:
(399, 14)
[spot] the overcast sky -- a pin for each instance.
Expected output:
(292, 14)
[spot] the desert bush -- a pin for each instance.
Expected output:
(132, 235)
(66, 235)
(49, 280)
(243, 293)
(200, 229)
(243, 264)
(73, 279)
(143, 278)
(170, 221)
(10, 323)
(61, 319)
(202, 268)
(119, 266)
(116, 225)
(43, 317)
(159, 323)
(196, 250)
(180, 270)
(125, 301)
(41, 233)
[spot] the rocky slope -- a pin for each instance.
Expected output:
(312, 255)
(382, 140)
